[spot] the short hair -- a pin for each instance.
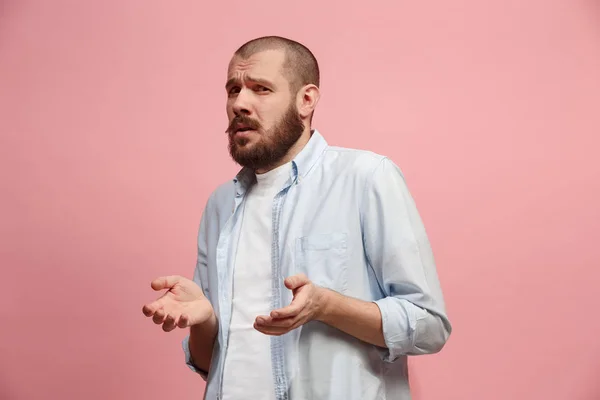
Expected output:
(300, 66)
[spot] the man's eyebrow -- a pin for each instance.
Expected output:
(259, 81)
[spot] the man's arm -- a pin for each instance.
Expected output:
(363, 320)
(201, 342)
(355, 317)
(358, 318)
(413, 315)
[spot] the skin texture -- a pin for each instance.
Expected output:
(260, 97)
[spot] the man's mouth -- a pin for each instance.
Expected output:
(242, 129)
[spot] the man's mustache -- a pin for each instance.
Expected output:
(242, 121)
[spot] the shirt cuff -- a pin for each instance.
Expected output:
(399, 324)
(188, 358)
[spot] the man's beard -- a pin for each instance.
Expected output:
(272, 145)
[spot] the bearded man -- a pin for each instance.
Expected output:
(315, 278)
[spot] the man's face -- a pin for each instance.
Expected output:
(263, 117)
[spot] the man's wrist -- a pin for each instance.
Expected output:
(209, 322)
(324, 299)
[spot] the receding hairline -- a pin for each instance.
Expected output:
(300, 64)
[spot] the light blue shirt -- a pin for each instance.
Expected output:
(346, 219)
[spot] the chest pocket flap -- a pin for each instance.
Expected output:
(323, 258)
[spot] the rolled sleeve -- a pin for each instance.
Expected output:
(398, 322)
(397, 247)
(185, 344)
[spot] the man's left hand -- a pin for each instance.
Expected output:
(307, 305)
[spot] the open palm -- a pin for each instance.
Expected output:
(182, 305)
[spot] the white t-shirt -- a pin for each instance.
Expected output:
(248, 373)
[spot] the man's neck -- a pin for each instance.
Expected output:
(292, 152)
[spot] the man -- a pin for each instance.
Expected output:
(314, 278)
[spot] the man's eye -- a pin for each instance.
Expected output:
(234, 90)
(262, 89)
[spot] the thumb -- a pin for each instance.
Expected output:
(294, 282)
(165, 282)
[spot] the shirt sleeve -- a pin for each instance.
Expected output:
(397, 247)
(201, 279)
(188, 359)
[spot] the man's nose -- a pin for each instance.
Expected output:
(242, 103)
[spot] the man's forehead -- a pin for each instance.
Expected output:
(267, 62)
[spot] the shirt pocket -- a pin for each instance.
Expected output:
(323, 258)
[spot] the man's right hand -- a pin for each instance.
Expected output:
(182, 305)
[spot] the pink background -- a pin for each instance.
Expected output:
(112, 119)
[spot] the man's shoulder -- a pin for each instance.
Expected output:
(224, 190)
(221, 196)
(353, 160)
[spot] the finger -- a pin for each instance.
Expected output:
(272, 331)
(295, 281)
(151, 308)
(277, 322)
(170, 323)
(148, 310)
(279, 330)
(184, 321)
(159, 316)
(165, 282)
(296, 306)
(263, 319)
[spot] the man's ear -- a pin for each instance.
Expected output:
(307, 99)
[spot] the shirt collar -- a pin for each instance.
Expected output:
(301, 164)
